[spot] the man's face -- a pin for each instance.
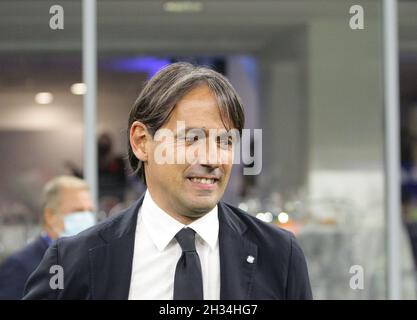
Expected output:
(73, 200)
(193, 188)
(70, 201)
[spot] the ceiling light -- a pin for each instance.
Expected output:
(78, 88)
(44, 98)
(183, 6)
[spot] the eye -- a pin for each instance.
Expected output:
(191, 139)
(224, 141)
(194, 136)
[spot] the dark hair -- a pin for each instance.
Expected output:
(162, 92)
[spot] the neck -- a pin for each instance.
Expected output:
(170, 210)
(180, 218)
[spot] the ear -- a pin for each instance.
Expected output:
(139, 139)
(52, 223)
(48, 216)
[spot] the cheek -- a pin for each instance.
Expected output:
(58, 222)
(61, 224)
(227, 171)
(226, 157)
(172, 174)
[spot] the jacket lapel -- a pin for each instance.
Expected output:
(111, 263)
(238, 256)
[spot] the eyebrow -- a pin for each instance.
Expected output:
(206, 130)
(186, 129)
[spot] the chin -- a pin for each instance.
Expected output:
(202, 206)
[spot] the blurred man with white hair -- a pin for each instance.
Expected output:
(67, 210)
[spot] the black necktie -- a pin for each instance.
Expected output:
(188, 282)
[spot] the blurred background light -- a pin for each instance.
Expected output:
(146, 64)
(78, 88)
(183, 6)
(44, 98)
(283, 217)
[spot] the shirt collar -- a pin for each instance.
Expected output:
(207, 227)
(162, 228)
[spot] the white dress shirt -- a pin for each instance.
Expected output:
(157, 252)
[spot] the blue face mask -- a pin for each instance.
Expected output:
(76, 222)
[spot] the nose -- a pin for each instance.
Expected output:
(211, 157)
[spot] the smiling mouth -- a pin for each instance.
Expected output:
(206, 181)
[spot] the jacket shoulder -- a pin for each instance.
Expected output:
(91, 237)
(286, 263)
(261, 230)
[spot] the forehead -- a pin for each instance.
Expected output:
(198, 108)
(74, 196)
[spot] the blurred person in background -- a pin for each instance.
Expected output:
(112, 177)
(67, 210)
(112, 180)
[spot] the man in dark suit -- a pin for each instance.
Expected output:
(178, 241)
(64, 196)
(17, 268)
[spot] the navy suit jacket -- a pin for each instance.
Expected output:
(17, 268)
(97, 263)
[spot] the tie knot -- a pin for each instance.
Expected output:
(186, 239)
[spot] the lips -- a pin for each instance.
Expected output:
(201, 177)
(203, 183)
(204, 180)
